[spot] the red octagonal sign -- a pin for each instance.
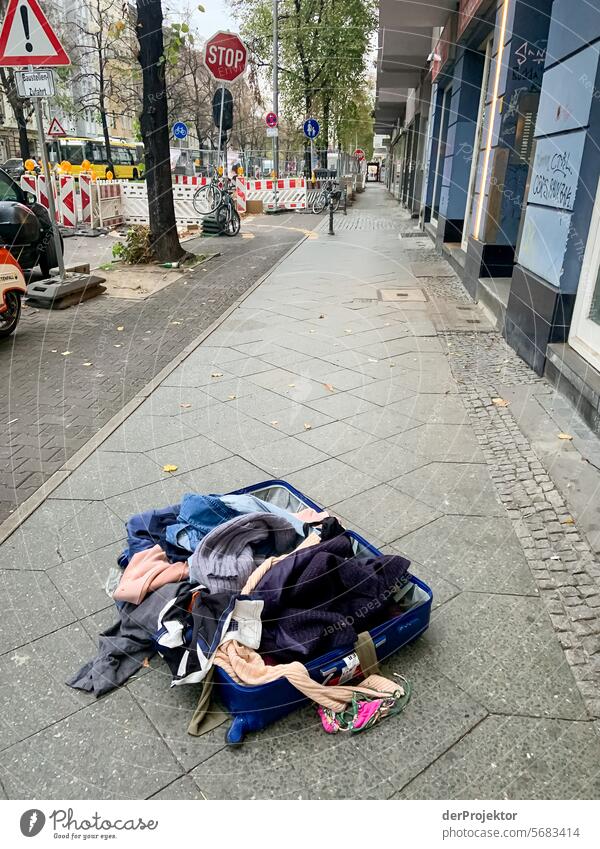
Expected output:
(225, 56)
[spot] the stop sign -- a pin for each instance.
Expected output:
(360, 154)
(225, 56)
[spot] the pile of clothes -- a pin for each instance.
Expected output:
(236, 582)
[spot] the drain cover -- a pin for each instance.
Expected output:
(414, 295)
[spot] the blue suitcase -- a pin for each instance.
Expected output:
(253, 708)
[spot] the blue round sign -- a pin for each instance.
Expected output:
(180, 130)
(311, 128)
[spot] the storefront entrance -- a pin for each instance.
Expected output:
(585, 328)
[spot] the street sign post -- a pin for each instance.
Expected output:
(272, 132)
(35, 83)
(27, 39)
(180, 130)
(225, 56)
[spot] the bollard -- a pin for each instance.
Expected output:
(331, 231)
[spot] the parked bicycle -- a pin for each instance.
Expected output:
(330, 191)
(226, 213)
(217, 197)
(209, 197)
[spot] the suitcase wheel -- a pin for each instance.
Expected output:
(234, 736)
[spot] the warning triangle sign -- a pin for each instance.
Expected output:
(55, 128)
(27, 38)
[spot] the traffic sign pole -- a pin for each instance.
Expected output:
(221, 129)
(275, 94)
(39, 118)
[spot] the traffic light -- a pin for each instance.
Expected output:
(227, 109)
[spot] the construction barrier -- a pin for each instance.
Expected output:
(291, 193)
(110, 203)
(241, 190)
(63, 188)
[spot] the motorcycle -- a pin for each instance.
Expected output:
(12, 289)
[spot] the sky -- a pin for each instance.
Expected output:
(215, 17)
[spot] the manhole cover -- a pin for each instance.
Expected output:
(402, 295)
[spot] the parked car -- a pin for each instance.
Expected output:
(15, 168)
(25, 227)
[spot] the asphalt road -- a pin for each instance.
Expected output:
(65, 373)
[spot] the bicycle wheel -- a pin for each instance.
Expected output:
(207, 199)
(223, 214)
(319, 203)
(233, 225)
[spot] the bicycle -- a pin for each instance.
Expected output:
(330, 191)
(227, 215)
(209, 197)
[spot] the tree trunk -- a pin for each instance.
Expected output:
(104, 121)
(17, 106)
(154, 123)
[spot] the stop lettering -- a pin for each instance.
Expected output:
(225, 56)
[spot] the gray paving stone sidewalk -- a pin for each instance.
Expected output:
(396, 428)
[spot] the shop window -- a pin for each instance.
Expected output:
(585, 327)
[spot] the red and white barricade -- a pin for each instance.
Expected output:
(182, 180)
(29, 183)
(66, 209)
(240, 194)
(291, 193)
(86, 194)
(110, 203)
(63, 187)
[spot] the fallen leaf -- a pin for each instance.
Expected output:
(312, 331)
(568, 521)
(329, 387)
(371, 360)
(117, 346)
(169, 468)
(87, 364)
(347, 331)
(55, 350)
(66, 353)
(392, 365)
(322, 315)
(565, 436)
(307, 426)
(120, 327)
(275, 423)
(175, 322)
(185, 406)
(291, 385)
(500, 402)
(231, 397)
(217, 374)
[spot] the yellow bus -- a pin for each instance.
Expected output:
(127, 157)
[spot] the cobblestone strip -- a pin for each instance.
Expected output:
(560, 558)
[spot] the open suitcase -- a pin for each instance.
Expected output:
(253, 708)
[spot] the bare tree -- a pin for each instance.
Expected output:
(101, 44)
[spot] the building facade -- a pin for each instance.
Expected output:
(493, 116)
